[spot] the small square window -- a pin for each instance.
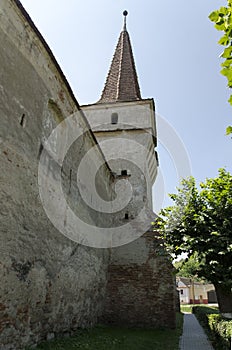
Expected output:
(114, 118)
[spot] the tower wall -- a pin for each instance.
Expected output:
(130, 142)
(141, 288)
(141, 280)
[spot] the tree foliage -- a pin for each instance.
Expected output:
(189, 267)
(200, 222)
(223, 22)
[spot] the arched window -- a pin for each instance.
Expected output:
(114, 118)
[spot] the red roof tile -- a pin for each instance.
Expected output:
(122, 81)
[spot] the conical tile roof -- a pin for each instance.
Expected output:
(122, 81)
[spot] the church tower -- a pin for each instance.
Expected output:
(127, 122)
(141, 288)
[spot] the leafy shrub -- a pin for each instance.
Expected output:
(221, 329)
(218, 329)
(202, 313)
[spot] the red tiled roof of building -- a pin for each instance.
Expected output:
(122, 81)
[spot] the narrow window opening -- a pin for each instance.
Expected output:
(40, 150)
(157, 158)
(114, 118)
(124, 172)
(70, 180)
(23, 121)
(181, 292)
(126, 216)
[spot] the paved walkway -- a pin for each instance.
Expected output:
(193, 337)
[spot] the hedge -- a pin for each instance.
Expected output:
(218, 329)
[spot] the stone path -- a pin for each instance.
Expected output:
(193, 337)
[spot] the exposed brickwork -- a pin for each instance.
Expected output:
(138, 293)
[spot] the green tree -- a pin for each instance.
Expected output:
(189, 267)
(200, 222)
(223, 22)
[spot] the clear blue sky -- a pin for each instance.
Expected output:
(177, 59)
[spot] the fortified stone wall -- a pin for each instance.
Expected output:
(49, 284)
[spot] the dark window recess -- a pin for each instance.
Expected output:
(126, 216)
(181, 292)
(124, 172)
(114, 118)
(40, 150)
(23, 120)
(70, 180)
(157, 158)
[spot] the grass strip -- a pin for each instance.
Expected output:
(114, 338)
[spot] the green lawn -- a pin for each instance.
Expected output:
(109, 338)
(186, 308)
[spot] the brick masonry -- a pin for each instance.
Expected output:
(141, 286)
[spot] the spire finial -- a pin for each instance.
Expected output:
(125, 13)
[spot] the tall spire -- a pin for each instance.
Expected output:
(122, 81)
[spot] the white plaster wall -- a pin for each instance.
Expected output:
(133, 138)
